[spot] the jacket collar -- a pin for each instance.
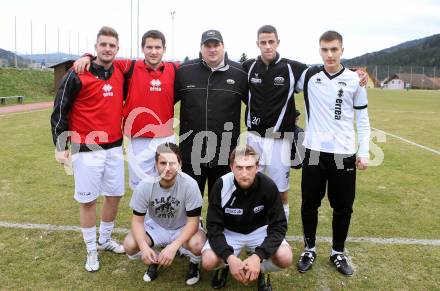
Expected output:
(274, 61)
(99, 71)
(225, 66)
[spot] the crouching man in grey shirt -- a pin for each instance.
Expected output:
(174, 203)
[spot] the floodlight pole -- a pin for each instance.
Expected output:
(58, 42)
(15, 55)
(173, 13)
(45, 45)
(31, 44)
(131, 29)
(137, 30)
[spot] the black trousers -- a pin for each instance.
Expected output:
(210, 173)
(338, 174)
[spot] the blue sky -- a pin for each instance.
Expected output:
(367, 26)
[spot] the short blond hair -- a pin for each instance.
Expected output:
(244, 150)
(108, 31)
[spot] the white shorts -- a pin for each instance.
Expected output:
(240, 241)
(274, 158)
(160, 236)
(141, 154)
(98, 172)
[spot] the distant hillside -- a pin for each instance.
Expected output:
(419, 52)
(51, 58)
(7, 59)
(35, 85)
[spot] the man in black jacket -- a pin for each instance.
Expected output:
(211, 89)
(245, 212)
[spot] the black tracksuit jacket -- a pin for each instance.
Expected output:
(243, 211)
(210, 102)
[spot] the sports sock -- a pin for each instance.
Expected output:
(193, 258)
(135, 256)
(268, 266)
(306, 249)
(336, 252)
(286, 211)
(89, 236)
(105, 231)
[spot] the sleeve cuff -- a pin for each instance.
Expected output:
(89, 55)
(360, 107)
(226, 254)
(259, 252)
(194, 212)
(138, 213)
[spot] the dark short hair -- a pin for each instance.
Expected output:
(267, 29)
(153, 34)
(168, 148)
(108, 31)
(330, 35)
(243, 150)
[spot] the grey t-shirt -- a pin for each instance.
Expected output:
(168, 207)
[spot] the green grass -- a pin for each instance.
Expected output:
(35, 85)
(399, 198)
(40, 260)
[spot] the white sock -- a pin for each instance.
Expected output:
(336, 252)
(135, 256)
(105, 231)
(286, 211)
(268, 266)
(193, 258)
(306, 249)
(89, 236)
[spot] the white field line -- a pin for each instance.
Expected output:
(373, 240)
(404, 111)
(23, 112)
(409, 142)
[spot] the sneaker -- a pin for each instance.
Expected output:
(112, 246)
(341, 264)
(193, 275)
(92, 262)
(151, 273)
(220, 277)
(305, 263)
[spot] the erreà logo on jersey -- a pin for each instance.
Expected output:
(155, 85)
(107, 88)
(256, 80)
(230, 81)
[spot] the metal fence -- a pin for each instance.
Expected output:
(382, 72)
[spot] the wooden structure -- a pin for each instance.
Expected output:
(59, 70)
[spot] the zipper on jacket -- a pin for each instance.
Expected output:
(206, 113)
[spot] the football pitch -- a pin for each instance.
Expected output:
(394, 239)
